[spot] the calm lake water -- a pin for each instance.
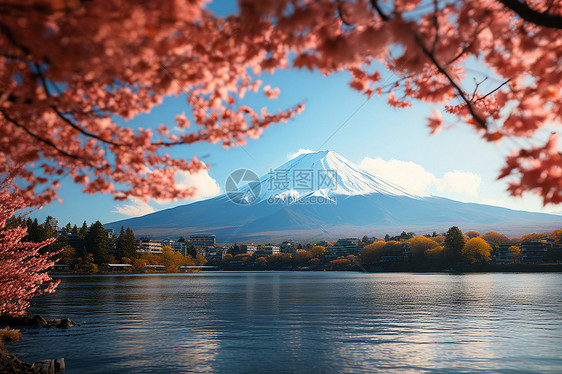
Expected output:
(289, 322)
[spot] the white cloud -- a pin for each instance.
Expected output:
(460, 181)
(135, 208)
(406, 174)
(205, 184)
(301, 151)
(416, 179)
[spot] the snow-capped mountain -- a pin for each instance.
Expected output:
(320, 174)
(322, 195)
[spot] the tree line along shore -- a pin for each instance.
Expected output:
(92, 249)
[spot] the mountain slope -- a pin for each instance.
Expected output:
(324, 196)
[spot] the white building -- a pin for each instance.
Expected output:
(147, 245)
(267, 250)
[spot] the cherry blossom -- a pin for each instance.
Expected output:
(22, 269)
(69, 69)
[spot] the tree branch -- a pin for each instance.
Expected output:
(383, 15)
(45, 141)
(456, 85)
(481, 122)
(530, 15)
(494, 90)
(43, 80)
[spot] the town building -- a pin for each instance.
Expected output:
(536, 251)
(110, 233)
(179, 247)
(502, 255)
(248, 248)
(203, 243)
(343, 248)
(288, 246)
(148, 245)
(267, 250)
(215, 253)
(202, 240)
(346, 242)
(73, 240)
(397, 253)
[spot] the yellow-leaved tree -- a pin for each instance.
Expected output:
(477, 250)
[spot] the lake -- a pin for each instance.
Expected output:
(302, 322)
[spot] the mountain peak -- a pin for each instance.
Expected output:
(323, 173)
(322, 195)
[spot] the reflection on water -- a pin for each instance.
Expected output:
(303, 322)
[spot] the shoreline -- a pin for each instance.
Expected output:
(385, 268)
(10, 363)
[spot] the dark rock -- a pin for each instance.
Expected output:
(29, 319)
(38, 320)
(67, 322)
(59, 364)
(61, 323)
(46, 366)
(10, 363)
(50, 366)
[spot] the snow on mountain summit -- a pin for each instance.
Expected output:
(322, 195)
(321, 174)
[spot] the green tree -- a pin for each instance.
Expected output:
(454, 243)
(97, 243)
(126, 244)
(68, 257)
(67, 229)
(191, 250)
(58, 244)
(119, 244)
(84, 230)
(130, 244)
(36, 233)
(80, 244)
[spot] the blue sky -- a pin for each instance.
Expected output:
(393, 143)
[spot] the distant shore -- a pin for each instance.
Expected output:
(382, 268)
